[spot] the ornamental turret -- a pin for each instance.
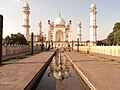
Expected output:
(40, 28)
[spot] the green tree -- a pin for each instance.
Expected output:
(15, 39)
(116, 27)
(117, 37)
(7, 40)
(110, 39)
(99, 43)
(114, 37)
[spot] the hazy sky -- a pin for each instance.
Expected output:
(108, 13)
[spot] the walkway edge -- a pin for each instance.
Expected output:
(81, 74)
(37, 78)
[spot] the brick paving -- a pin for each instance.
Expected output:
(103, 76)
(17, 75)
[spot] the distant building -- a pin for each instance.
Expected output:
(59, 30)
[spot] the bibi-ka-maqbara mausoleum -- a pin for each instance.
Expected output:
(60, 31)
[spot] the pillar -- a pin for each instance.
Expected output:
(79, 31)
(1, 32)
(78, 45)
(31, 43)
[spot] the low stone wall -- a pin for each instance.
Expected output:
(109, 50)
(16, 49)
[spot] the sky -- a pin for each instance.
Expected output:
(108, 14)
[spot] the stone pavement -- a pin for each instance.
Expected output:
(17, 75)
(99, 74)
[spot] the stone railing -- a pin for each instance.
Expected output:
(109, 50)
(16, 49)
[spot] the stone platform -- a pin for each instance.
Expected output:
(17, 75)
(99, 74)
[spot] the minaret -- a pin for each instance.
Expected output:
(79, 31)
(49, 30)
(93, 26)
(40, 28)
(26, 25)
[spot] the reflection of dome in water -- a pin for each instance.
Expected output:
(59, 21)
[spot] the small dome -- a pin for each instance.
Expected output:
(59, 21)
(79, 22)
(93, 5)
(67, 24)
(26, 5)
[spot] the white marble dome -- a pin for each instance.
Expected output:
(59, 21)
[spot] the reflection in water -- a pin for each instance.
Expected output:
(60, 75)
(59, 67)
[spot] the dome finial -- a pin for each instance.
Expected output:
(59, 14)
(26, 4)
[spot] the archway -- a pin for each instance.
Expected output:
(59, 36)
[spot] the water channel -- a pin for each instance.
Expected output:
(60, 75)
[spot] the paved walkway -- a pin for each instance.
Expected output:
(104, 56)
(99, 74)
(4, 58)
(109, 57)
(17, 75)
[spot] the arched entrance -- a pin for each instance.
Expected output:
(59, 36)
